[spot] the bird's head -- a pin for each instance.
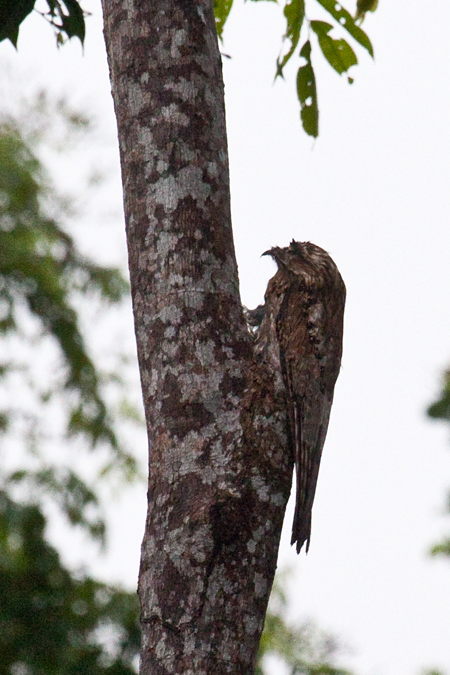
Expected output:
(307, 261)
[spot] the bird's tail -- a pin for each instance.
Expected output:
(301, 528)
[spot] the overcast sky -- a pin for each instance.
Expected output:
(374, 191)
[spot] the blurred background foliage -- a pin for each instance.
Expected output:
(54, 394)
(440, 410)
(54, 408)
(293, 647)
(52, 621)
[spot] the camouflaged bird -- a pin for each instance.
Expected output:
(300, 339)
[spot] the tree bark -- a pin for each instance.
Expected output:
(219, 471)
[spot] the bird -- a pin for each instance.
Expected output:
(300, 339)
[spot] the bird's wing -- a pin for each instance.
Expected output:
(308, 362)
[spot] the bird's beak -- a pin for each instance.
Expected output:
(273, 252)
(278, 254)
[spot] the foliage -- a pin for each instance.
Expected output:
(66, 17)
(363, 6)
(51, 622)
(338, 52)
(39, 267)
(443, 548)
(303, 649)
(42, 278)
(440, 410)
(307, 93)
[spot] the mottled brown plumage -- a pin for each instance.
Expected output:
(300, 338)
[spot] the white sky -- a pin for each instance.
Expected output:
(373, 191)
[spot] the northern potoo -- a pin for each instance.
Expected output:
(300, 338)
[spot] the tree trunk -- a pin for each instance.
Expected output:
(219, 471)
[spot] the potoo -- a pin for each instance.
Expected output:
(300, 339)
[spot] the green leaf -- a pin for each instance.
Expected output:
(69, 22)
(222, 9)
(307, 93)
(443, 548)
(12, 13)
(348, 22)
(363, 6)
(441, 409)
(73, 22)
(294, 11)
(4, 421)
(338, 53)
(13, 36)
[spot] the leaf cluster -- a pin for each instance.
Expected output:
(40, 268)
(337, 51)
(65, 16)
(52, 622)
(68, 20)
